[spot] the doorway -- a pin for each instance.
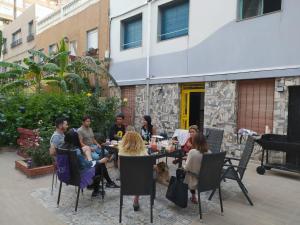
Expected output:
(294, 114)
(192, 105)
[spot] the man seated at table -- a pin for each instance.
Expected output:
(118, 130)
(58, 137)
(87, 138)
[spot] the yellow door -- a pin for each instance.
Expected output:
(186, 91)
(185, 109)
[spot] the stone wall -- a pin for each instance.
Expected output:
(280, 124)
(164, 106)
(221, 112)
(281, 100)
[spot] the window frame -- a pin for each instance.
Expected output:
(76, 47)
(123, 23)
(49, 47)
(87, 39)
(16, 42)
(239, 11)
(165, 6)
(30, 25)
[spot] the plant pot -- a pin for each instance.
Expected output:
(33, 172)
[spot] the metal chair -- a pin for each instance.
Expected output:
(68, 172)
(210, 174)
(236, 172)
(54, 176)
(136, 177)
(214, 138)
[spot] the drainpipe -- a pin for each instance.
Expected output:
(148, 42)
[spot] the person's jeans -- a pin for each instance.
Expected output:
(98, 153)
(83, 163)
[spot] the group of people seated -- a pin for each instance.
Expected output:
(91, 154)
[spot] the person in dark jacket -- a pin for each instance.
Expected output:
(118, 130)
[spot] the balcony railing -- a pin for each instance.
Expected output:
(66, 11)
(92, 52)
(30, 37)
(16, 43)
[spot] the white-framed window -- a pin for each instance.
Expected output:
(73, 48)
(92, 39)
(52, 48)
(252, 8)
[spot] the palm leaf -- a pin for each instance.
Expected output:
(10, 74)
(50, 67)
(74, 79)
(14, 66)
(40, 54)
(64, 85)
(12, 85)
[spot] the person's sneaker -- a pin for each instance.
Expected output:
(96, 193)
(112, 185)
(90, 187)
(93, 163)
(136, 207)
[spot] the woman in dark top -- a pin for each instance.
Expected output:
(147, 129)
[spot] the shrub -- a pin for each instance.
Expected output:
(40, 110)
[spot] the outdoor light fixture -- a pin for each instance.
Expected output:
(280, 86)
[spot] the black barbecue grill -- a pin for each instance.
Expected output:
(275, 142)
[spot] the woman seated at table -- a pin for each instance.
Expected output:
(133, 145)
(147, 129)
(193, 130)
(193, 164)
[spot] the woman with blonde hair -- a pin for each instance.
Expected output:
(132, 144)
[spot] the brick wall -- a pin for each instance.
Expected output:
(129, 93)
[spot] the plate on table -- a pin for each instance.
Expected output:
(157, 136)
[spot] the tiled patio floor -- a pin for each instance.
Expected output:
(276, 196)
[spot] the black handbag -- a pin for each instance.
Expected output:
(177, 190)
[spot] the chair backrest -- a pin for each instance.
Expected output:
(68, 169)
(210, 171)
(214, 138)
(246, 156)
(136, 175)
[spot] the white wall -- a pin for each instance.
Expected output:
(218, 44)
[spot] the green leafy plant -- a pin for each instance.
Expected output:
(57, 71)
(103, 112)
(30, 111)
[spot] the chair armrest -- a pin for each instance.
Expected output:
(232, 158)
(233, 166)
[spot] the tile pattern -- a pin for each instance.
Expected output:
(97, 211)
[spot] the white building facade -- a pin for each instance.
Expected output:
(226, 64)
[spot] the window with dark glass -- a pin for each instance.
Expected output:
(132, 32)
(174, 19)
(30, 28)
(251, 8)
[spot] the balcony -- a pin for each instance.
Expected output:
(93, 52)
(66, 11)
(30, 37)
(16, 43)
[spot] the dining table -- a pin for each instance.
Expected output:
(113, 149)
